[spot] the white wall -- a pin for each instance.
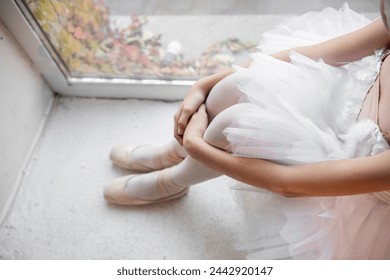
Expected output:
(25, 100)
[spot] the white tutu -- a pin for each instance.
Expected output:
(307, 112)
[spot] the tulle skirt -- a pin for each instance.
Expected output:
(306, 111)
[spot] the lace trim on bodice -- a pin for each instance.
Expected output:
(383, 196)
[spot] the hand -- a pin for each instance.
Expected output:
(197, 124)
(195, 97)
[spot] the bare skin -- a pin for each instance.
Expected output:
(332, 178)
(338, 51)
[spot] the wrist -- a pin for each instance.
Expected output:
(203, 85)
(208, 82)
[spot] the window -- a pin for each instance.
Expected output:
(92, 42)
(115, 48)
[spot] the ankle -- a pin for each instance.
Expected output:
(179, 149)
(168, 155)
(168, 180)
(153, 186)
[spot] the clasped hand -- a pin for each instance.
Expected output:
(191, 117)
(197, 125)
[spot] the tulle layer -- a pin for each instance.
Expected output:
(306, 111)
(351, 227)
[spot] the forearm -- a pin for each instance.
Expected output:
(337, 51)
(205, 84)
(351, 46)
(242, 169)
(208, 82)
(340, 177)
(331, 178)
(346, 48)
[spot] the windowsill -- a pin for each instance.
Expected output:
(60, 212)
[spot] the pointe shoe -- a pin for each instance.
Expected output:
(121, 156)
(116, 192)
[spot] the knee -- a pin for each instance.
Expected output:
(214, 134)
(224, 94)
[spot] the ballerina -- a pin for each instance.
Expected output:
(307, 127)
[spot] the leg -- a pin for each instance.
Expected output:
(146, 158)
(190, 171)
(149, 158)
(173, 182)
(224, 94)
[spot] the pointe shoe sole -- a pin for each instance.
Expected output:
(115, 193)
(121, 156)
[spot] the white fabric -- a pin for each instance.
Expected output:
(306, 111)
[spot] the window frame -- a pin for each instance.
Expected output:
(25, 29)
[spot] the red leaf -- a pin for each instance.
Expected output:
(79, 33)
(144, 59)
(132, 52)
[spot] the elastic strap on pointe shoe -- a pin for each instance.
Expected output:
(165, 186)
(171, 156)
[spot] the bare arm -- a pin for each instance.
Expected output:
(337, 51)
(331, 178)
(349, 47)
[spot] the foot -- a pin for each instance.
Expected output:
(144, 189)
(145, 158)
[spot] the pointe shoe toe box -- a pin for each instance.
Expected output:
(116, 193)
(121, 156)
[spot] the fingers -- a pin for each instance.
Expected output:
(188, 107)
(202, 108)
(182, 122)
(176, 118)
(179, 139)
(201, 115)
(181, 119)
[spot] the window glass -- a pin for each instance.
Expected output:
(160, 39)
(116, 39)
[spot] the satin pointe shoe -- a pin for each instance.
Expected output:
(121, 156)
(117, 193)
